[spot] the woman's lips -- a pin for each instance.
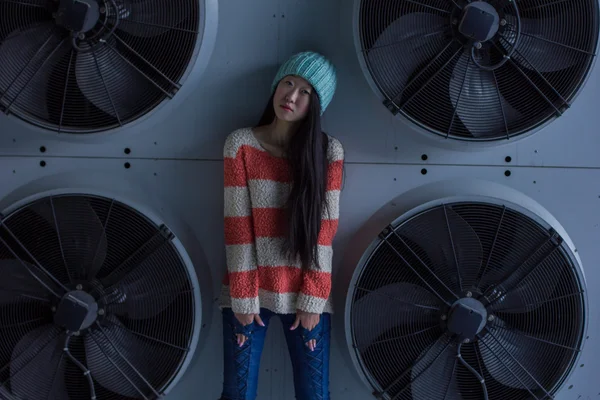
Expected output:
(287, 108)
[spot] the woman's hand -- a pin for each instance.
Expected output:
(309, 321)
(246, 319)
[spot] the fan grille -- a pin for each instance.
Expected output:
(133, 59)
(146, 318)
(423, 67)
(520, 271)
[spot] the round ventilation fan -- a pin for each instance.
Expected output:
(481, 70)
(96, 301)
(82, 66)
(470, 300)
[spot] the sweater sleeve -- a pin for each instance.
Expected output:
(316, 283)
(239, 237)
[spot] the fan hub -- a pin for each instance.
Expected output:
(77, 310)
(480, 21)
(78, 15)
(467, 317)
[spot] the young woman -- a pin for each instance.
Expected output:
(282, 188)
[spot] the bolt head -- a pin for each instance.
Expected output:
(469, 294)
(79, 287)
(467, 340)
(444, 317)
(53, 309)
(101, 311)
(77, 333)
(478, 45)
(454, 21)
(502, 22)
(81, 36)
(102, 10)
(491, 318)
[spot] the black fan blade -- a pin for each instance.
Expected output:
(113, 343)
(409, 39)
(37, 365)
(24, 76)
(80, 233)
(392, 306)
(146, 291)
(528, 295)
(477, 99)
(522, 353)
(108, 81)
(18, 284)
(435, 370)
(535, 47)
(149, 18)
(453, 250)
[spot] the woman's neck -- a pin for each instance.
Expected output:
(280, 132)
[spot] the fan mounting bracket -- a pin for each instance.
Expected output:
(391, 106)
(166, 233)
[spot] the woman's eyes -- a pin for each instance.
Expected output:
(290, 83)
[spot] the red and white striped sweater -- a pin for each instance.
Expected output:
(257, 185)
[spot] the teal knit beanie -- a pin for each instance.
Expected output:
(316, 69)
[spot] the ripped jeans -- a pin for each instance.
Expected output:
(311, 368)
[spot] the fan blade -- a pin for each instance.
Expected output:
(526, 355)
(149, 18)
(21, 56)
(112, 84)
(441, 240)
(435, 370)
(393, 306)
(528, 295)
(543, 55)
(147, 289)
(18, 284)
(80, 233)
(404, 46)
(104, 346)
(477, 99)
(37, 365)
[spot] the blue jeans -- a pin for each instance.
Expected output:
(311, 368)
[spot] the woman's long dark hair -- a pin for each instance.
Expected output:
(307, 155)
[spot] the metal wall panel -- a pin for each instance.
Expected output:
(176, 169)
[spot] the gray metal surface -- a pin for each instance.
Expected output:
(176, 171)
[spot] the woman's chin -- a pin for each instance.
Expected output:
(286, 116)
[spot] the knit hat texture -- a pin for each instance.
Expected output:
(316, 69)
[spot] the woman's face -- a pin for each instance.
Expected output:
(292, 98)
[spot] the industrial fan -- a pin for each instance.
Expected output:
(470, 300)
(82, 66)
(477, 70)
(96, 302)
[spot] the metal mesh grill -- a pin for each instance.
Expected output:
(452, 85)
(142, 330)
(518, 270)
(132, 59)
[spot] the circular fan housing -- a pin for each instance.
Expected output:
(477, 71)
(96, 299)
(95, 65)
(465, 289)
